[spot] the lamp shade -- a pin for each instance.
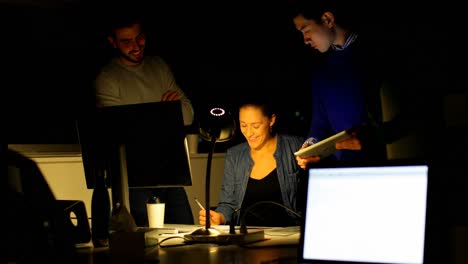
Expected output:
(217, 122)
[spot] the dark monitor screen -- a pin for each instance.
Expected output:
(153, 137)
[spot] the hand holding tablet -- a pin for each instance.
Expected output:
(324, 147)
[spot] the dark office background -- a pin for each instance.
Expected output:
(222, 50)
(219, 51)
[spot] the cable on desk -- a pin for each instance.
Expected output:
(173, 245)
(243, 226)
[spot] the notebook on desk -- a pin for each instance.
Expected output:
(365, 213)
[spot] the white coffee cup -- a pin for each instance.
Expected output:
(155, 214)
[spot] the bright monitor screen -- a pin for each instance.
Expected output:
(368, 214)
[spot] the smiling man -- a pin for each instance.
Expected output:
(133, 78)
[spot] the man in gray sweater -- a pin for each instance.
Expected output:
(133, 78)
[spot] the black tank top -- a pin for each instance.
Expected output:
(266, 189)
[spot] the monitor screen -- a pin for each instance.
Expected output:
(367, 213)
(146, 140)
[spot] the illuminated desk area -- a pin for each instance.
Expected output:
(61, 166)
(280, 246)
(448, 244)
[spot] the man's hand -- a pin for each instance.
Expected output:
(351, 143)
(302, 162)
(170, 96)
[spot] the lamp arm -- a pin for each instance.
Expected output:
(207, 182)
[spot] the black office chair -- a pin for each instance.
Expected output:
(35, 227)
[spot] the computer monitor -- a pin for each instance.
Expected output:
(137, 146)
(366, 212)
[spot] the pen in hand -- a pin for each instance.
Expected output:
(200, 205)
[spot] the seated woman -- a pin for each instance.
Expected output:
(263, 168)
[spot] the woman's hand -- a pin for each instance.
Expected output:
(215, 218)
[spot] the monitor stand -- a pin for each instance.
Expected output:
(120, 189)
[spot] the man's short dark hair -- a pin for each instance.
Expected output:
(121, 17)
(344, 10)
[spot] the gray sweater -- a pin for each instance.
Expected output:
(119, 84)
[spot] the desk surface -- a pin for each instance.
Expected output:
(202, 253)
(210, 253)
(205, 253)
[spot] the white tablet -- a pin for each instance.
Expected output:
(324, 147)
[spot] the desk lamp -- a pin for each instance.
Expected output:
(217, 125)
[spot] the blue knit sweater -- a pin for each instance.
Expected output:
(344, 95)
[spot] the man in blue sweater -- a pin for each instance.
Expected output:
(345, 85)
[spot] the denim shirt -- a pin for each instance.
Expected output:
(238, 165)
